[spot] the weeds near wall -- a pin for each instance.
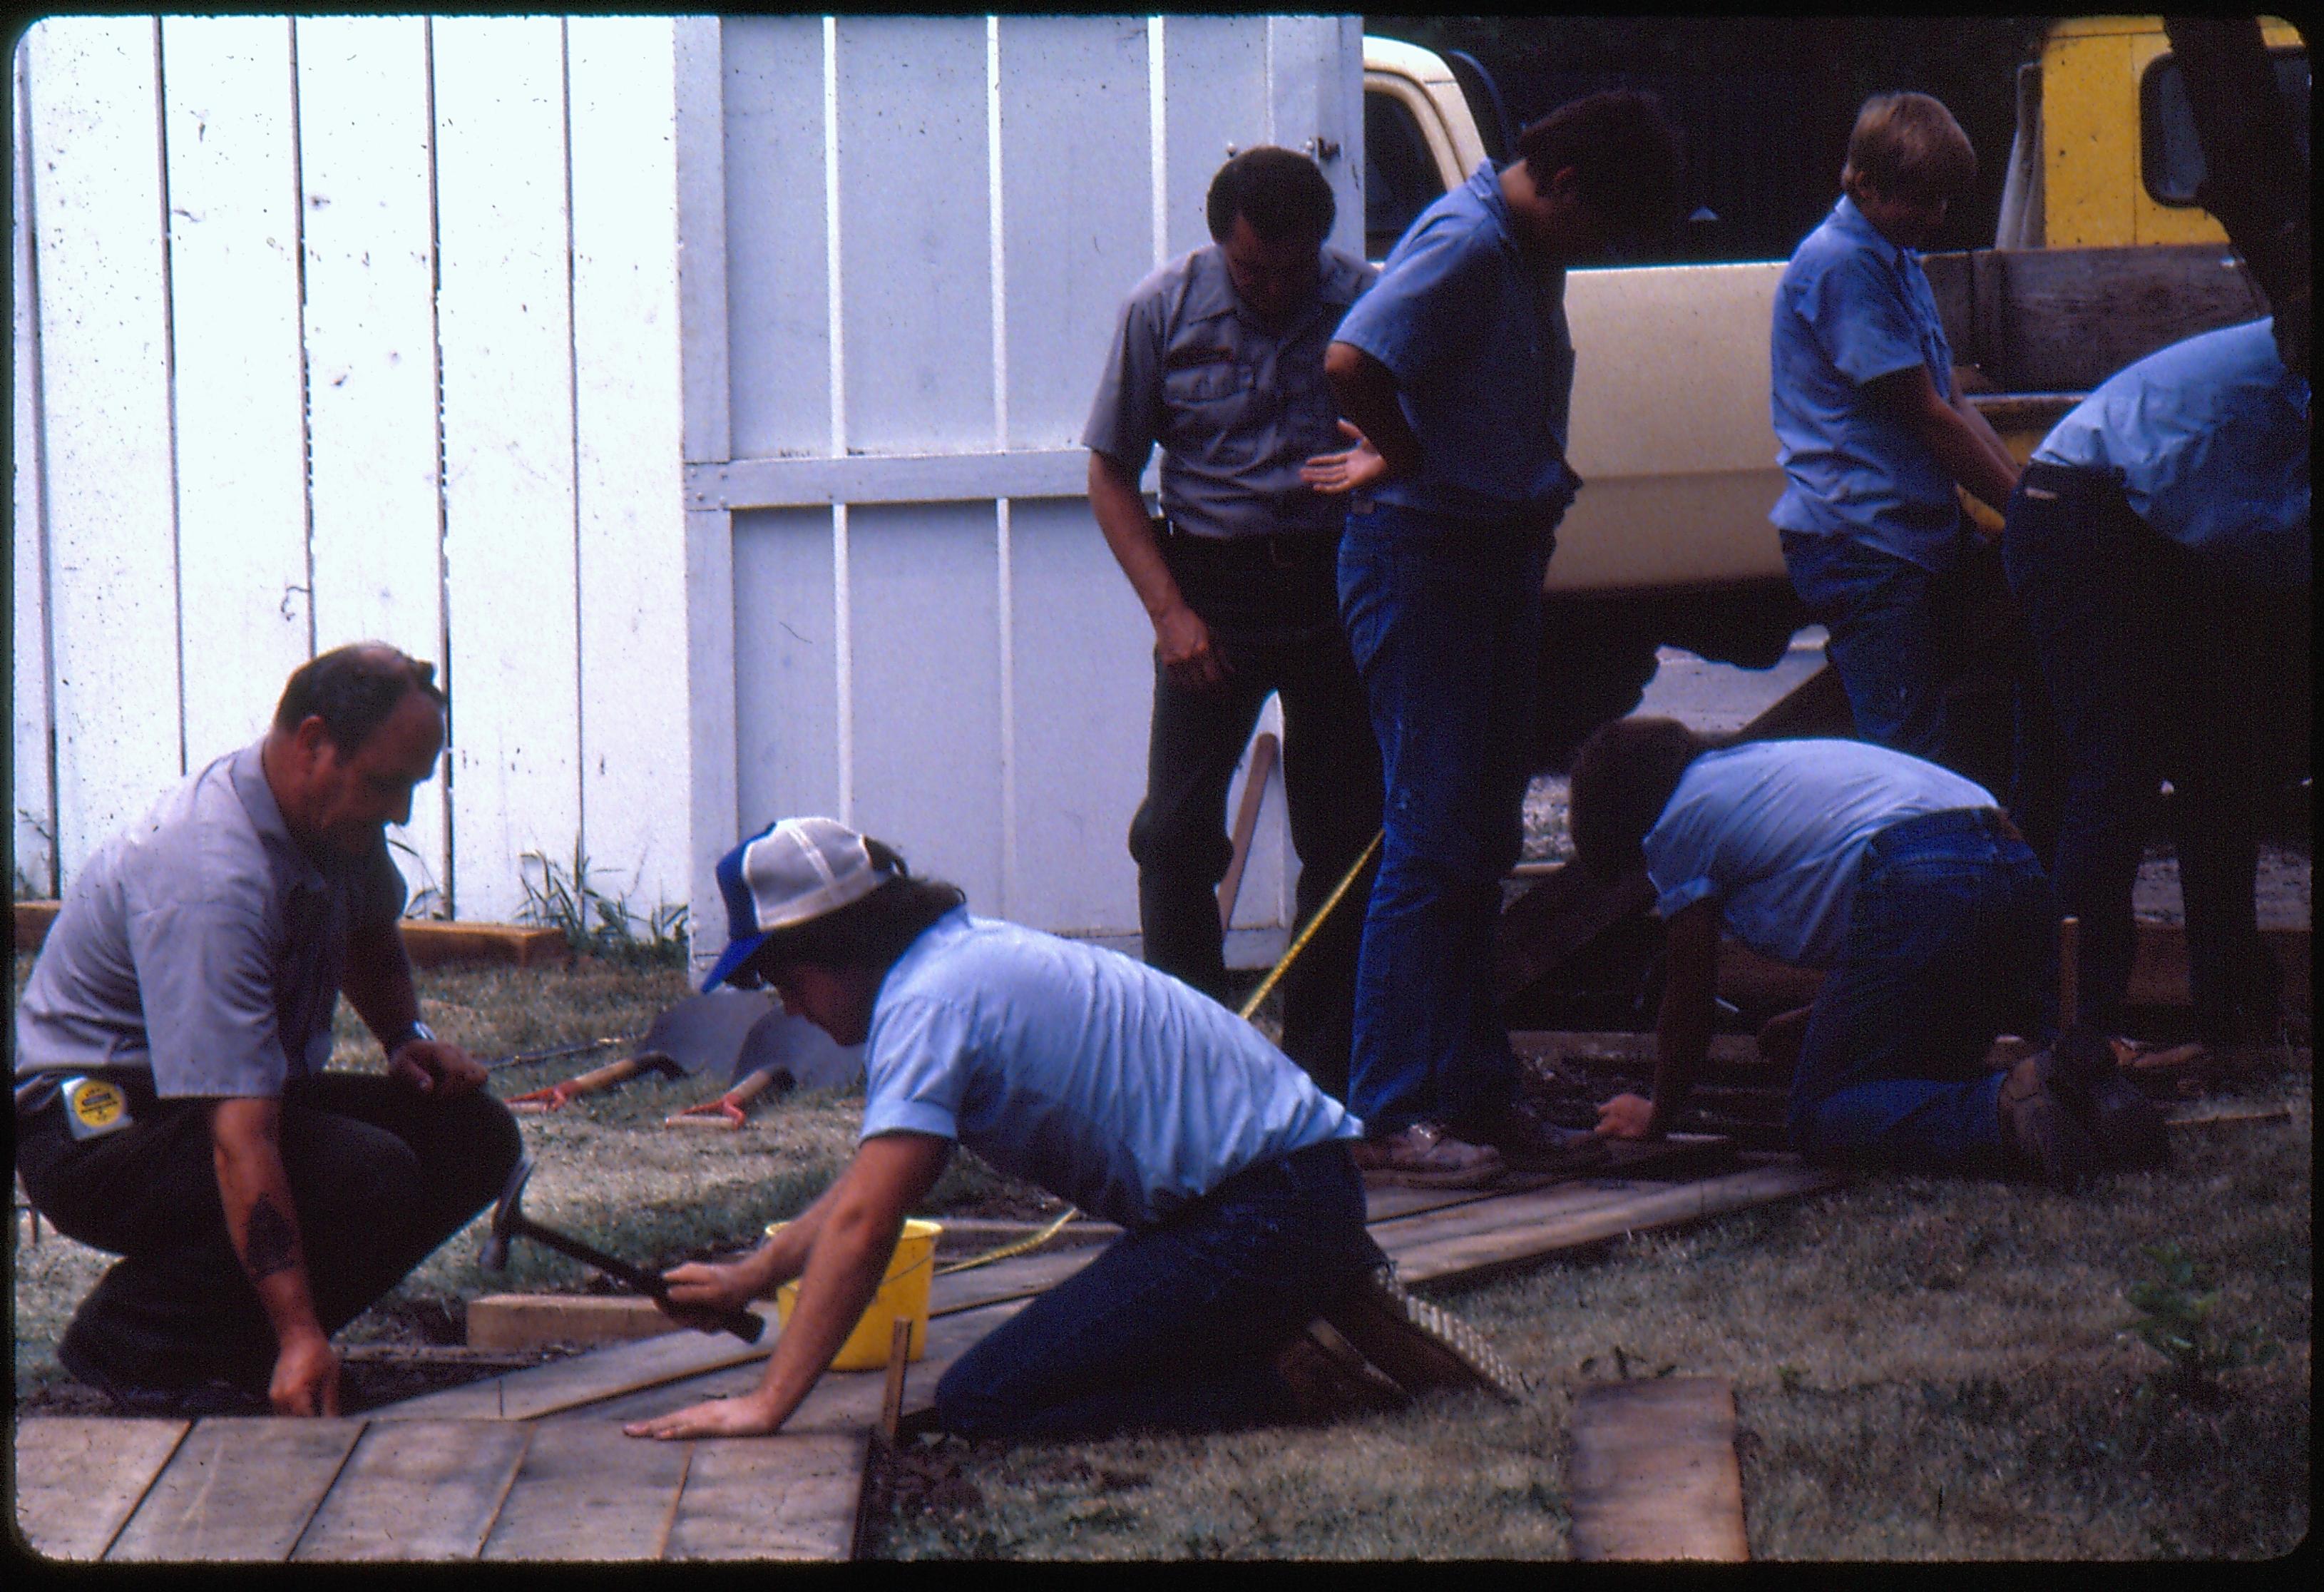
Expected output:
(2175, 1319)
(428, 901)
(568, 900)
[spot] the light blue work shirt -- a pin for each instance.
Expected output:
(1471, 323)
(1851, 308)
(2208, 440)
(1238, 406)
(1774, 831)
(1077, 1068)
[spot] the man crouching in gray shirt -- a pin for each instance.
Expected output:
(172, 1102)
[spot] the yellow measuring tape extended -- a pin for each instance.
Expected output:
(1015, 1247)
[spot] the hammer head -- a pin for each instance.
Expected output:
(505, 1216)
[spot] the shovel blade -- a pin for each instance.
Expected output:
(800, 1055)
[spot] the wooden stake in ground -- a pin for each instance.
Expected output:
(1254, 790)
(891, 1402)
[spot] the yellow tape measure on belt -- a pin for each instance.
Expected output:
(93, 1107)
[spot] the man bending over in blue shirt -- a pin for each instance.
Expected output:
(1914, 889)
(1246, 1290)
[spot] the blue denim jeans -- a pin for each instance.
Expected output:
(1885, 620)
(1174, 1326)
(2156, 666)
(1950, 941)
(1444, 619)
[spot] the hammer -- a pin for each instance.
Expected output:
(509, 1221)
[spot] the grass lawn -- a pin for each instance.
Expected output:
(1922, 1368)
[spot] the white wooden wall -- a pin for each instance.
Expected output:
(702, 395)
(351, 327)
(928, 227)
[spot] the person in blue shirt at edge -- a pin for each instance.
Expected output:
(1453, 374)
(1873, 434)
(1244, 1290)
(1218, 356)
(2159, 547)
(1927, 908)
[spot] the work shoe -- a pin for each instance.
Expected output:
(1329, 1378)
(2087, 1074)
(1414, 1342)
(1424, 1156)
(2041, 1134)
(1530, 1143)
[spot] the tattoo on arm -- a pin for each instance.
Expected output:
(270, 1245)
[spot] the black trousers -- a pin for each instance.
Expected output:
(1272, 607)
(380, 1174)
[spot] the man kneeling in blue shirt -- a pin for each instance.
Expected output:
(1916, 892)
(1245, 1290)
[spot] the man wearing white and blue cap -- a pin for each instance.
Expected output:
(1107, 1083)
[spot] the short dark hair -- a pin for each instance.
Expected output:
(353, 689)
(1626, 153)
(1623, 778)
(869, 932)
(1283, 194)
(1907, 146)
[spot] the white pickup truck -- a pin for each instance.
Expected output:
(1669, 543)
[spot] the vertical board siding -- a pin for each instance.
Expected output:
(1215, 94)
(241, 433)
(366, 154)
(104, 444)
(927, 696)
(1084, 658)
(915, 233)
(786, 668)
(629, 489)
(32, 797)
(504, 328)
(779, 302)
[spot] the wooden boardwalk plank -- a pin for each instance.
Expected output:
(238, 1487)
(1653, 1475)
(585, 1491)
(1477, 1253)
(792, 1497)
(416, 1490)
(78, 1477)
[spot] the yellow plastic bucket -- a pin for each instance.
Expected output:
(903, 1296)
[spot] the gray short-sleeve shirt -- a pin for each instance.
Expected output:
(203, 944)
(1236, 407)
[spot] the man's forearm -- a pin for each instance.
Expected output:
(262, 1223)
(1120, 512)
(378, 985)
(1970, 452)
(1365, 391)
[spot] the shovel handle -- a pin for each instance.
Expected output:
(556, 1096)
(746, 1325)
(727, 1111)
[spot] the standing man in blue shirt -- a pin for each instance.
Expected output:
(1873, 433)
(1218, 356)
(1929, 911)
(2160, 548)
(1453, 373)
(1245, 1289)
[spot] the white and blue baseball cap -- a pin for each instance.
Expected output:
(787, 874)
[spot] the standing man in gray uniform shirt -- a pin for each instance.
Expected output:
(172, 1102)
(1218, 356)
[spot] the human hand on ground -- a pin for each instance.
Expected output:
(741, 1416)
(1335, 473)
(1625, 1116)
(305, 1380)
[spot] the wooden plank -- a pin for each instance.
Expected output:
(543, 1389)
(1474, 1254)
(93, 99)
(434, 944)
(585, 1491)
(244, 585)
(1009, 1279)
(1543, 1210)
(33, 797)
(629, 439)
(532, 1321)
(240, 1489)
(78, 1477)
(366, 154)
(790, 1497)
(416, 1490)
(1558, 915)
(505, 330)
(1653, 1474)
